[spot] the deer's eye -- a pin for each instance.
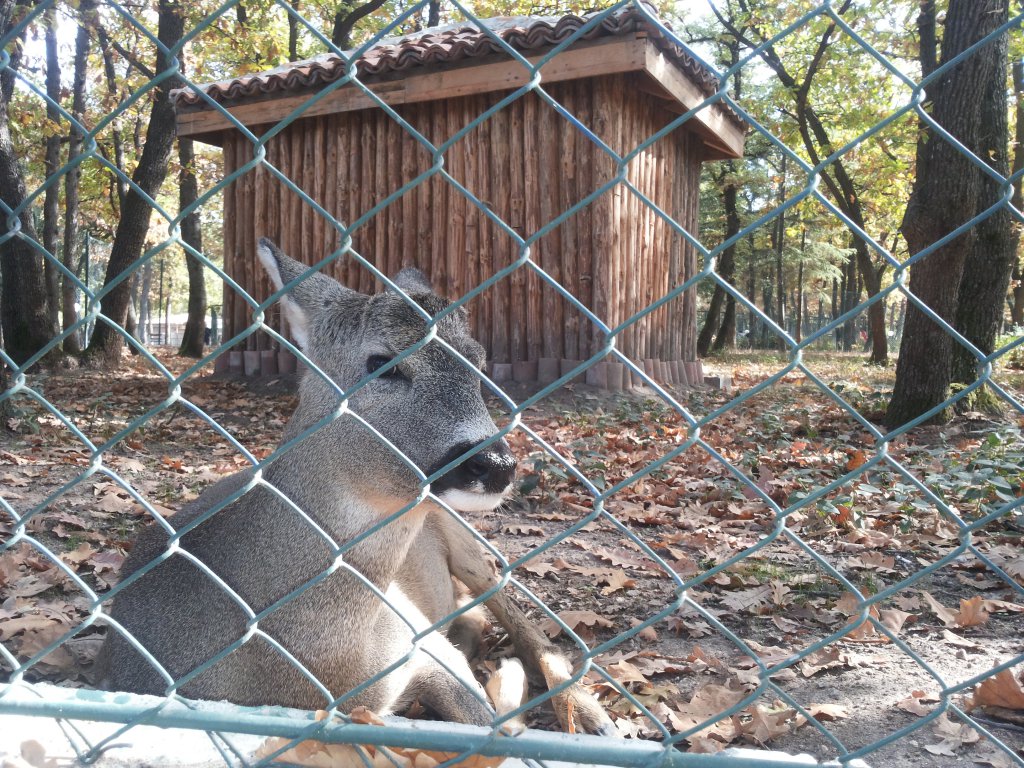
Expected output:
(374, 362)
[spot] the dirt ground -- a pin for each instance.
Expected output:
(934, 527)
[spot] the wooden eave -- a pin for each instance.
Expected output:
(723, 138)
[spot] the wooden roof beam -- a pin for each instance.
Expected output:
(723, 137)
(586, 59)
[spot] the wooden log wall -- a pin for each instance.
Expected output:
(527, 164)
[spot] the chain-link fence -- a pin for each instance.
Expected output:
(599, 487)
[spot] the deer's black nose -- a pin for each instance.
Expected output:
(489, 470)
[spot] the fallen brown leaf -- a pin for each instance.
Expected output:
(972, 612)
(918, 703)
(323, 755)
(946, 616)
(574, 620)
(1000, 690)
(954, 735)
(826, 658)
(766, 724)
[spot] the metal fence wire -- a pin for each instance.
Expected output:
(20, 696)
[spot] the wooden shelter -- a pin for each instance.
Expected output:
(527, 163)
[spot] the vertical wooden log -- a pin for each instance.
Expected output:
(393, 213)
(548, 130)
(678, 178)
(689, 349)
(660, 182)
(260, 215)
(586, 175)
(330, 198)
(282, 161)
(655, 269)
(346, 160)
(410, 152)
(678, 272)
(655, 264)
(631, 263)
(651, 245)
(243, 235)
(276, 200)
(643, 253)
(230, 263)
(532, 183)
(254, 273)
(307, 183)
(603, 209)
(439, 203)
(626, 271)
(353, 201)
(620, 229)
(676, 266)
(518, 308)
(501, 249)
(295, 174)
(669, 177)
(315, 234)
(486, 237)
(568, 195)
(470, 107)
(336, 179)
(455, 237)
(367, 176)
(425, 201)
(381, 188)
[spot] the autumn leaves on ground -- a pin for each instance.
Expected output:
(778, 587)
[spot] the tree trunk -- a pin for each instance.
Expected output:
(144, 314)
(6, 405)
(72, 246)
(725, 266)
(131, 322)
(726, 337)
(710, 321)
(1017, 316)
(347, 17)
(293, 32)
(847, 302)
(779, 236)
(130, 236)
(945, 195)
(191, 232)
(24, 314)
(767, 339)
(110, 74)
(989, 263)
(878, 339)
(800, 290)
(51, 163)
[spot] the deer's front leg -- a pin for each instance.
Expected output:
(576, 708)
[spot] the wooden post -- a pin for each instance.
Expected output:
(603, 215)
(230, 214)
(569, 194)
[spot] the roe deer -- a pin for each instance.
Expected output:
(347, 480)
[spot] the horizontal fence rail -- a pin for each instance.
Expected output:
(21, 694)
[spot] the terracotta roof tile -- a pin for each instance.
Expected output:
(441, 46)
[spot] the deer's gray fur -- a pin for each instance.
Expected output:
(346, 479)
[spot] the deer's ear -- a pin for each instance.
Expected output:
(411, 280)
(305, 299)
